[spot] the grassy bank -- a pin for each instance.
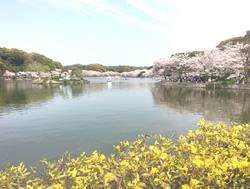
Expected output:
(214, 156)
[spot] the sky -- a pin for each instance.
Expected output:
(119, 32)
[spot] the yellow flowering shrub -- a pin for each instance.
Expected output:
(214, 156)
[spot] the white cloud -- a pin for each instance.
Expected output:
(149, 10)
(191, 25)
(102, 6)
(188, 25)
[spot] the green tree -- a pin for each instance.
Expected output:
(2, 68)
(95, 67)
(45, 61)
(77, 72)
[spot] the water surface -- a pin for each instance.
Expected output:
(39, 121)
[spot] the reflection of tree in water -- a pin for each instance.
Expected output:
(74, 91)
(18, 94)
(224, 105)
(87, 89)
(79, 90)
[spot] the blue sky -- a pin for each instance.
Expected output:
(119, 32)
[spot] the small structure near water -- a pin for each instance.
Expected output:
(9, 75)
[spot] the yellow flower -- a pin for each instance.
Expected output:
(57, 186)
(199, 132)
(154, 170)
(224, 167)
(163, 156)
(194, 182)
(184, 168)
(234, 162)
(190, 134)
(186, 186)
(243, 163)
(193, 149)
(124, 163)
(208, 162)
(125, 143)
(197, 161)
(109, 177)
(102, 157)
(182, 138)
(118, 148)
(74, 172)
(202, 122)
(132, 154)
(156, 151)
(217, 171)
(241, 145)
(95, 156)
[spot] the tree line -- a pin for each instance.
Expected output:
(16, 60)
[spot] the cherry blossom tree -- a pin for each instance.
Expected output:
(226, 63)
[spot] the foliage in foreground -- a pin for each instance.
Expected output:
(214, 156)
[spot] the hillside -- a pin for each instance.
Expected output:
(17, 60)
(232, 41)
(101, 68)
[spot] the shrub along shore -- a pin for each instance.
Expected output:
(214, 156)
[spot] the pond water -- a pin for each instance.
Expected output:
(39, 121)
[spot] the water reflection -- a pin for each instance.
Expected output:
(109, 84)
(19, 95)
(222, 105)
(15, 95)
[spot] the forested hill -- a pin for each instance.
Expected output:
(102, 68)
(232, 41)
(17, 60)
